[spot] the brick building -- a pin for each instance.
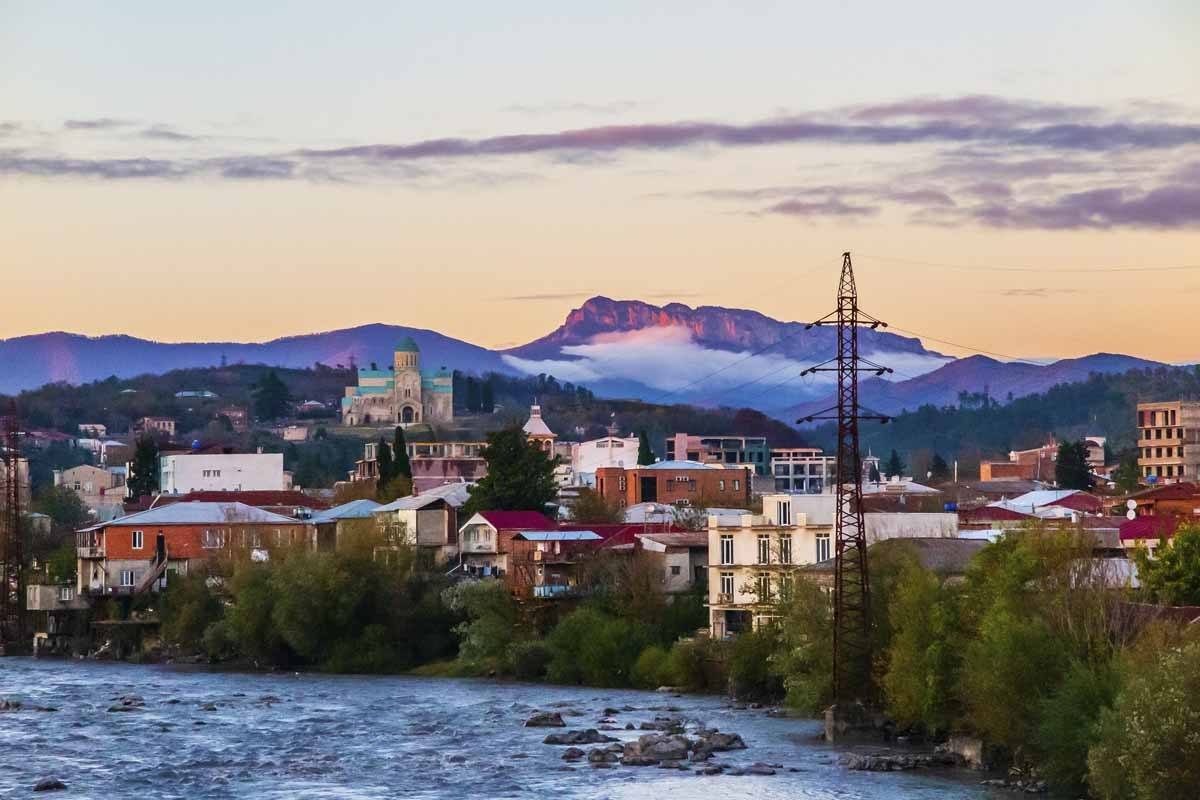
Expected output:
(1168, 441)
(676, 483)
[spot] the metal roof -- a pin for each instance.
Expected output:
(355, 509)
(455, 494)
(559, 536)
(684, 465)
(200, 513)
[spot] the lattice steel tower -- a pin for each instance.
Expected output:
(852, 583)
(12, 589)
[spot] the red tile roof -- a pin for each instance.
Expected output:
(518, 520)
(622, 533)
(991, 514)
(1149, 527)
(1172, 491)
(1080, 501)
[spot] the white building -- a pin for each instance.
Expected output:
(753, 559)
(180, 473)
(428, 520)
(610, 451)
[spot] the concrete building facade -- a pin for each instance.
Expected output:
(1169, 441)
(751, 451)
(180, 473)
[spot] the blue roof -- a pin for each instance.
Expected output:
(559, 536)
(355, 509)
(680, 465)
(407, 345)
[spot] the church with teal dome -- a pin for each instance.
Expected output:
(401, 394)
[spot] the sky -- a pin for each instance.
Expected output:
(1022, 179)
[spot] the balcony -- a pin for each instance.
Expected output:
(724, 598)
(91, 552)
(553, 590)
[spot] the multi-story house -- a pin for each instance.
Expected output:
(427, 520)
(180, 473)
(101, 490)
(687, 483)
(750, 451)
(803, 469)
(137, 552)
(158, 426)
(754, 559)
(1169, 441)
(484, 540)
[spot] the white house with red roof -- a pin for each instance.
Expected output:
(485, 539)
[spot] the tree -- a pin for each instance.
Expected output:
(400, 463)
(520, 476)
(143, 471)
(874, 475)
(271, 397)
(63, 506)
(645, 453)
(383, 460)
(1071, 468)
(895, 465)
(1127, 475)
(1173, 576)
(939, 469)
(590, 506)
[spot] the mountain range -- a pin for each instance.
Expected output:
(708, 355)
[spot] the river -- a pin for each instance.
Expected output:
(382, 737)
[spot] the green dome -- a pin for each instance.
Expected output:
(407, 345)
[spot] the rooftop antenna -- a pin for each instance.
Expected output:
(852, 584)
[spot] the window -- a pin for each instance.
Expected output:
(726, 549)
(675, 569)
(763, 587)
(64, 594)
(127, 577)
(721, 485)
(137, 540)
(786, 584)
(737, 485)
(764, 548)
(785, 549)
(784, 511)
(727, 584)
(822, 547)
(212, 539)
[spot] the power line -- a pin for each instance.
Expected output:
(1041, 270)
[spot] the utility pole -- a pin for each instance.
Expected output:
(852, 584)
(12, 588)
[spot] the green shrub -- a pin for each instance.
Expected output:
(187, 608)
(698, 665)
(1148, 743)
(219, 641)
(750, 675)
(529, 660)
(566, 643)
(491, 620)
(650, 669)
(803, 658)
(1067, 723)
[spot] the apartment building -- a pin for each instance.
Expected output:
(687, 483)
(750, 451)
(1168, 441)
(180, 473)
(806, 470)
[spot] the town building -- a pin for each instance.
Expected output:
(401, 394)
(102, 490)
(288, 502)
(806, 470)
(545, 564)
(433, 463)
(751, 451)
(427, 520)
(1037, 463)
(156, 426)
(608, 451)
(948, 559)
(1169, 441)
(238, 416)
(180, 473)
(336, 527)
(537, 431)
(689, 483)
(1178, 499)
(1149, 533)
(93, 430)
(485, 540)
(137, 552)
(682, 557)
(753, 559)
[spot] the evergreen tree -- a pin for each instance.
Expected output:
(939, 469)
(400, 463)
(383, 459)
(143, 471)
(645, 454)
(487, 397)
(1127, 476)
(271, 397)
(895, 465)
(874, 475)
(1071, 467)
(473, 395)
(520, 476)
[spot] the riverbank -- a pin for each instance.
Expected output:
(208, 734)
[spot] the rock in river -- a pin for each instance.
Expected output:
(590, 736)
(49, 785)
(546, 719)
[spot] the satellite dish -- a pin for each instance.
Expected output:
(1131, 505)
(1131, 514)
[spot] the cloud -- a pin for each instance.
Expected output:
(1170, 206)
(163, 133)
(832, 207)
(614, 107)
(548, 296)
(108, 168)
(668, 360)
(977, 109)
(101, 124)
(1039, 291)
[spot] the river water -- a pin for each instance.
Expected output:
(382, 737)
